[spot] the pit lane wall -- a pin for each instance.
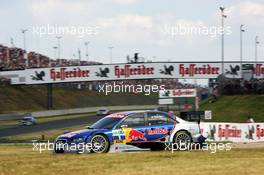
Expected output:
(233, 132)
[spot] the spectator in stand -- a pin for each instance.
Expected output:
(13, 59)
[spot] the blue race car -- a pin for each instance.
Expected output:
(142, 129)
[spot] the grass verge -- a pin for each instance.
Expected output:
(236, 108)
(21, 159)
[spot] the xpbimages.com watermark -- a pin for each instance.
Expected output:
(97, 148)
(127, 88)
(211, 147)
(198, 30)
(68, 147)
(58, 30)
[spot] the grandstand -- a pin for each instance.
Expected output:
(13, 59)
(238, 86)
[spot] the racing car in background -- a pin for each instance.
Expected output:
(142, 129)
(103, 112)
(27, 120)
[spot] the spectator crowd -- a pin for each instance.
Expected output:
(13, 58)
(240, 87)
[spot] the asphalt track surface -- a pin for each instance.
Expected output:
(57, 124)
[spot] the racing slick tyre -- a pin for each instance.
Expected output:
(100, 144)
(183, 140)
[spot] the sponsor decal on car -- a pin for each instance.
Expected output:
(158, 131)
(119, 135)
(135, 135)
(117, 115)
(119, 141)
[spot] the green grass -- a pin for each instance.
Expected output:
(34, 98)
(21, 159)
(236, 108)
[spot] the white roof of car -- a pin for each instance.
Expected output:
(28, 117)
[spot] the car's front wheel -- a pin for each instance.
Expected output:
(100, 144)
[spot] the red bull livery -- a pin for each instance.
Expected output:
(139, 129)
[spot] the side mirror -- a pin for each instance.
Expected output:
(124, 126)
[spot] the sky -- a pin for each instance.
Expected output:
(157, 29)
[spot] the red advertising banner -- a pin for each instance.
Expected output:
(234, 132)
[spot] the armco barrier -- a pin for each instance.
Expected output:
(10, 116)
(74, 111)
(234, 132)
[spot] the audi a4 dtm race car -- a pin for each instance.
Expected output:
(139, 129)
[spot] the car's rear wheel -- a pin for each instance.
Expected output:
(182, 139)
(100, 144)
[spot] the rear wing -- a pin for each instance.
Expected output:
(196, 116)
